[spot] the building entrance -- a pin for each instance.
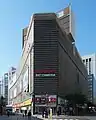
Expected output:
(41, 109)
(44, 103)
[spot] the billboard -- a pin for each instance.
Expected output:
(43, 100)
(25, 80)
(45, 73)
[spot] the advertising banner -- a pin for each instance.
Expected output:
(25, 80)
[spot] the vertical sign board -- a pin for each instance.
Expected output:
(25, 80)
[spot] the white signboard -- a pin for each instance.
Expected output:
(25, 80)
(45, 75)
(15, 92)
(60, 14)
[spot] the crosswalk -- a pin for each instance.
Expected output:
(65, 119)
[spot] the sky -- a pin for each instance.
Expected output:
(15, 15)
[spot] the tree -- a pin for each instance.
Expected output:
(76, 98)
(2, 104)
(2, 101)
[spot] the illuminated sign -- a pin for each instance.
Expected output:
(45, 71)
(51, 99)
(45, 75)
(25, 103)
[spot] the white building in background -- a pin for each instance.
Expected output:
(11, 79)
(90, 63)
(6, 87)
(1, 86)
(11, 89)
(6, 78)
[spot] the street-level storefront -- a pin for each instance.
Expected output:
(25, 105)
(45, 102)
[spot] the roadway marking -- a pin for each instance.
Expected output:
(66, 119)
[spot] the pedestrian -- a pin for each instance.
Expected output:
(71, 110)
(43, 113)
(46, 114)
(29, 115)
(8, 113)
(25, 112)
(64, 111)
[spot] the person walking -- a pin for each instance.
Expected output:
(71, 110)
(29, 115)
(8, 113)
(25, 113)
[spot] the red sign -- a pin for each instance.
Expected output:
(45, 71)
(44, 100)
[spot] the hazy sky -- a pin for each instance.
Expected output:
(15, 15)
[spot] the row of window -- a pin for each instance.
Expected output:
(86, 61)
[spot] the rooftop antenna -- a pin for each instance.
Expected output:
(70, 2)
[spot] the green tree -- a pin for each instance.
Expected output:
(2, 104)
(2, 101)
(76, 98)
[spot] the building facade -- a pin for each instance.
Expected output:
(21, 99)
(67, 21)
(6, 87)
(56, 66)
(6, 79)
(11, 79)
(1, 87)
(50, 67)
(11, 89)
(90, 88)
(90, 63)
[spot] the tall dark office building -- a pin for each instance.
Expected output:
(54, 66)
(58, 68)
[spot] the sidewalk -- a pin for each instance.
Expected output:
(54, 117)
(63, 117)
(20, 117)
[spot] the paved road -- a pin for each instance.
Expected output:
(16, 118)
(25, 118)
(72, 118)
(4, 118)
(76, 118)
